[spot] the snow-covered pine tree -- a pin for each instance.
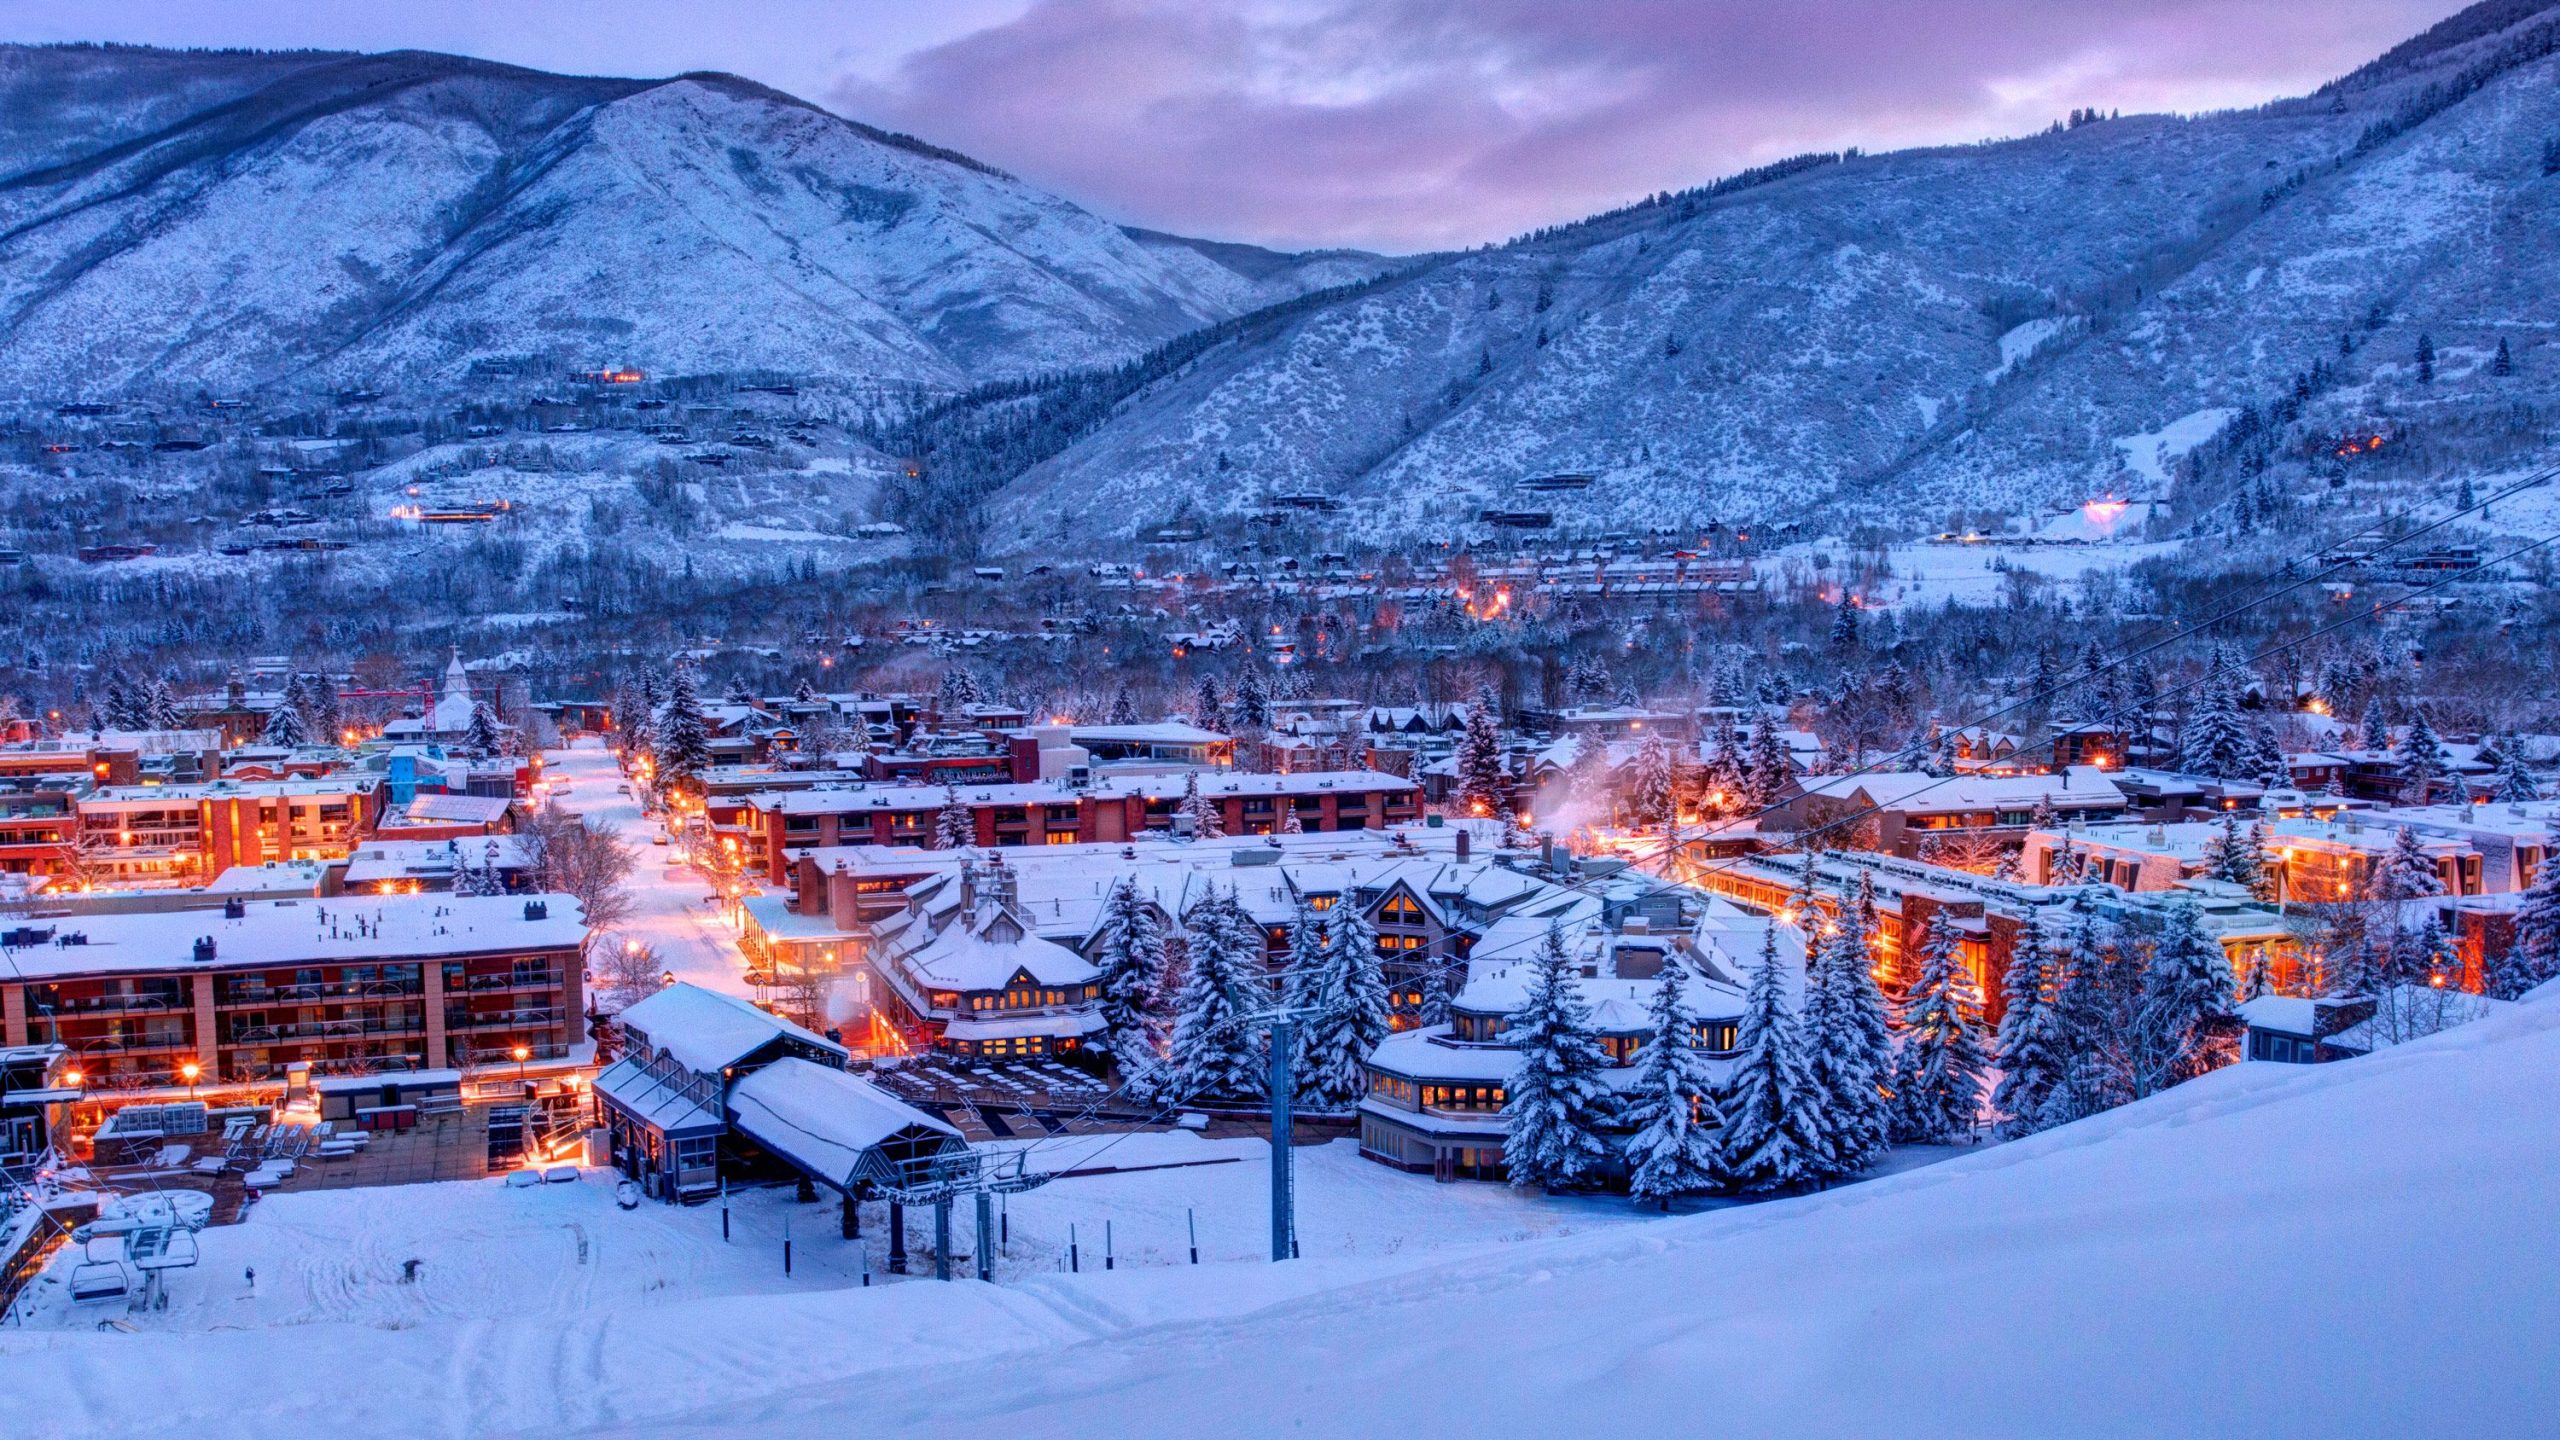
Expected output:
(1130, 954)
(2234, 854)
(1124, 709)
(1772, 766)
(2422, 760)
(1483, 784)
(1252, 700)
(164, 711)
(482, 737)
(1348, 1012)
(1434, 1007)
(2184, 1025)
(284, 727)
(122, 704)
(1308, 939)
(955, 825)
(1844, 622)
(1649, 797)
(2515, 783)
(1937, 1096)
(1847, 1047)
(1671, 1106)
(2094, 995)
(2028, 1045)
(2216, 740)
(2377, 731)
(1556, 1102)
(803, 693)
(1208, 710)
(324, 709)
(478, 877)
(1208, 820)
(1215, 1053)
(1768, 1141)
(1290, 824)
(2533, 956)
(683, 736)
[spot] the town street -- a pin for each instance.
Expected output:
(669, 912)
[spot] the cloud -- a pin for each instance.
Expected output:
(1413, 124)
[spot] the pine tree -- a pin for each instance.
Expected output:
(1844, 622)
(1290, 824)
(163, 712)
(1556, 1102)
(1253, 701)
(2184, 1025)
(1348, 1010)
(955, 825)
(2504, 364)
(2094, 995)
(284, 727)
(2408, 872)
(1847, 1047)
(121, 704)
(1208, 711)
(2515, 784)
(1671, 1106)
(1208, 820)
(1937, 1096)
(2028, 1046)
(2533, 957)
(1130, 954)
(1124, 709)
(1434, 1009)
(478, 879)
(1649, 799)
(1772, 765)
(482, 736)
(1215, 1052)
(2377, 734)
(683, 736)
(2426, 358)
(2216, 740)
(2234, 855)
(2422, 760)
(1483, 784)
(1768, 1141)
(325, 711)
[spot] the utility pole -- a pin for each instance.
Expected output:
(1283, 1088)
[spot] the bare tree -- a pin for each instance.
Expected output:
(626, 970)
(567, 856)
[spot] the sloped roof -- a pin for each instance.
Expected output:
(822, 1119)
(705, 1030)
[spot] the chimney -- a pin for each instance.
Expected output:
(235, 910)
(1462, 843)
(1547, 850)
(537, 909)
(204, 949)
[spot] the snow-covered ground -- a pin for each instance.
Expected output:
(2348, 1249)
(668, 911)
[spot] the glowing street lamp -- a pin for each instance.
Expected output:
(522, 1054)
(188, 1072)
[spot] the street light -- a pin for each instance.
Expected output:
(188, 1072)
(522, 1054)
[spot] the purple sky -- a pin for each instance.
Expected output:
(1392, 124)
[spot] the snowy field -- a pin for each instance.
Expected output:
(2349, 1249)
(557, 1252)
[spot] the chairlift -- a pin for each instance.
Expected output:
(100, 1280)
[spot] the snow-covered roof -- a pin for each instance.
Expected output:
(821, 1118)
(965, 959)
(458, 809)
(2291, 1014)
(628, 1083)
(270, 877)
(1006, 1027)
(706, 1031)
(305, 931)
(2080, 786)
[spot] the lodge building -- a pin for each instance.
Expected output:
(409, 982)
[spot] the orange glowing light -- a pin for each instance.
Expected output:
(2103, 512)
(72, 1077)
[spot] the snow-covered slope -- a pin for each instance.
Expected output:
(1973, 328)
(2361, 1248)
(391, 220)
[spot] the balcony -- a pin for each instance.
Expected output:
(247, 995)
(320, 1030)
(519, 980)
(537, 1019)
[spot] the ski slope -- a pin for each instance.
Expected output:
(2354, 1249)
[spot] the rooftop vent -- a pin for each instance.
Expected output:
(204, 949)
(537, 909)
(235, 910)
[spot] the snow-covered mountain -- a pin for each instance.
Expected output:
(311, 220)
(1962, 329)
